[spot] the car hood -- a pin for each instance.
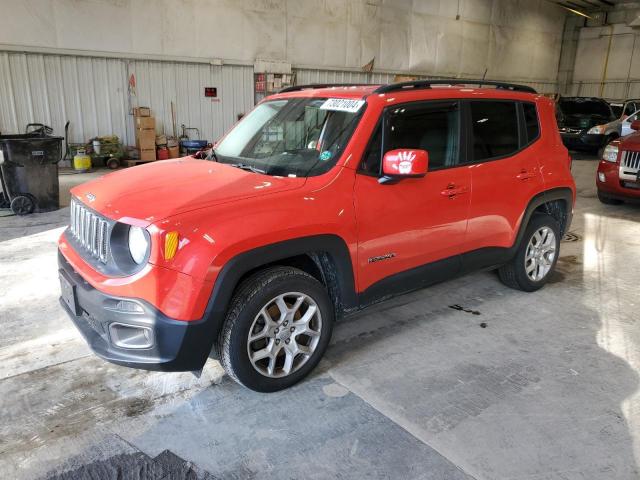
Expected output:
(583, 120)
(631, 142)
(157, 190)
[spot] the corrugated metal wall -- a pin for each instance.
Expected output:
(159, 83)
(89, 92)
(93, 94)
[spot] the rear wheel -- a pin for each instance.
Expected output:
(608, 200)
(22, 205)
(277, 329)
(536, 257)
(113, 163)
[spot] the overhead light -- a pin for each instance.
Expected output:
(577, 12)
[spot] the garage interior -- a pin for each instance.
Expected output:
(464, 380)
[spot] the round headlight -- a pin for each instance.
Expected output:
(138, 244)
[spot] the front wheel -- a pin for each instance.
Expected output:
(277, 329)
(536, 256)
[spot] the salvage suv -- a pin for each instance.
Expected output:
(321, 201)
(618, 177)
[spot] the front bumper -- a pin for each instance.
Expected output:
(583, 140)
(176, 345)
(613, 186)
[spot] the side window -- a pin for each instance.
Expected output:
(372, 158)
(629, 108)
(434, 128)
(531, 122)
(495, 129)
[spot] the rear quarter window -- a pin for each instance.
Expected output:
(531, 122)
(495, 129)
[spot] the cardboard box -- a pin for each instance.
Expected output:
(145, 122)
(161, 140)
(141, 112)
(148, 154)
(146, 133)
(145, 144)
(145, 139)
(174, 152)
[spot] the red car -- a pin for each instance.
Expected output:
(321, 201)
(618, 177)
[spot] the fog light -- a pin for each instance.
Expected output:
(601, 177)
(130, 336)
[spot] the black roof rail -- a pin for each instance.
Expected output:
(393, 87)
(296, 88)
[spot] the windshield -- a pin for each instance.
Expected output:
(294, 137)
(585, 107)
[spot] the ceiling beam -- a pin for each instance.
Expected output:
(592, 3)
(575, 5)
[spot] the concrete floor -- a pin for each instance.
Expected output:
(411, 388)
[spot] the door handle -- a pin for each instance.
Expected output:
(452, 191)
(525, 174)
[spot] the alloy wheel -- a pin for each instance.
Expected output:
(540, 254)
(284, 334)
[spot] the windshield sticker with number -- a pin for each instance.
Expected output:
(342, 105)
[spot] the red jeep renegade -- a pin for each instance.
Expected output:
(618, 177)
(321, 201)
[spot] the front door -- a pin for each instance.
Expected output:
(417, 221)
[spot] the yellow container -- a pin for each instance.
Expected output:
(81, 161)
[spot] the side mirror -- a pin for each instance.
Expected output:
(403, 163)
(635, 125)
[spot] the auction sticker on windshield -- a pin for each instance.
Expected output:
(342, 105)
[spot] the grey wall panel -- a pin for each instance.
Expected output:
(513, 39)
(616, 90)
(306, 76)
(93, 94)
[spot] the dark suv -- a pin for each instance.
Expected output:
(586, 123)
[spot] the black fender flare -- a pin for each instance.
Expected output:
(561, 193)
(234, 269)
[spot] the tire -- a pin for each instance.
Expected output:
(257, 297)
(608, 200)
(22, 205)
(113, 163)
(515, 273)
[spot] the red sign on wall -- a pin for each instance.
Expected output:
(210, 92)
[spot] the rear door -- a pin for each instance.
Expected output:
(416, 221)
(504, 146)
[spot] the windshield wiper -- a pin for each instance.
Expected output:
(211, 155)
(249, 168)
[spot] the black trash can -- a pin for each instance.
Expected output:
(29, 172)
